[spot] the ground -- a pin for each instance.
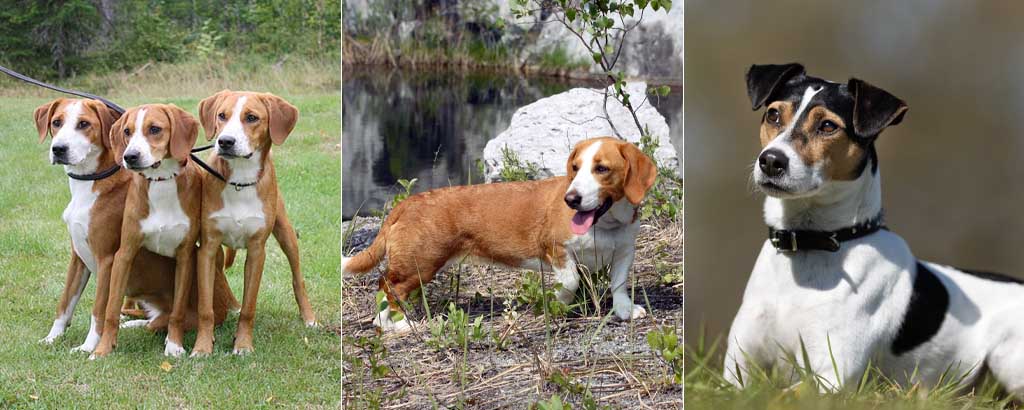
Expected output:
(293, 366)
(583, 354)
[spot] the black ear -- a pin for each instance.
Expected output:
(763, 80)
(873, 108)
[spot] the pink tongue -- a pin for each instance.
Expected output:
(581, 222)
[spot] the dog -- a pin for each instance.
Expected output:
(831, 280)
(161, 215)
(242, 211)
(587, 218)
(79, 129)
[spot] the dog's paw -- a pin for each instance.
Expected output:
(86, 347)
(312, 324)
(242, 351)
(172, 349)
(135, 323)
(630, 312)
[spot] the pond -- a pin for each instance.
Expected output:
(433, 126)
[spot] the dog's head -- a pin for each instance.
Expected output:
(147, 135)
(813, 131)
(604, 171)
(79, 129)
(244, 123)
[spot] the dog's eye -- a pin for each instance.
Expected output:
(83, 125)
(773, 116)
(251, 118)
(127, 132)
(827, 127)
(153, 130)
(600, 169)
(56, 123)
(222, 117)
(575, 168)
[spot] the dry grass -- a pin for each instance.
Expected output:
(592, 351)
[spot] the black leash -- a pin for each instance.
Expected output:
(800, 240)
(112, 170)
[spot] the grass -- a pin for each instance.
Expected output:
(293, 366)
(767, 389)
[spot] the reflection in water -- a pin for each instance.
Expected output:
(950, 172)
(431, 126)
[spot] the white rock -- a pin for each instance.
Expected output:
(544, 132)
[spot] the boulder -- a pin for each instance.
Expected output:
(544, 132)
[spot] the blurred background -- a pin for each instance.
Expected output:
(950, 171)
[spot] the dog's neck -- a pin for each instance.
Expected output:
(620, 214)
(245, 170)
(838, 205)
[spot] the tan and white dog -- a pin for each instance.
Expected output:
(243, 211)
(98, 189)
(587, 218)
(161, 215)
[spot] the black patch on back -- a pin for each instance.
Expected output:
(928, 305)
(997, 277)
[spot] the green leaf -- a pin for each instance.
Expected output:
(654, 340)
(570, 14)
(666, 4)
(664, 90)
(597, 57)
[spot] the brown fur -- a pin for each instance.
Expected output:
(505, 223)
(276, 119)
(837, 151)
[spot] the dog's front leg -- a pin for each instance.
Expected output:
(255, 256)
(119, 272)
(837, 359)
(621, 300)
(99, 306)
(205, 276)
(74, 284)
(184, 270)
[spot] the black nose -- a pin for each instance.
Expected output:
(573, 199)
(226, 142)
(59, 150)
(773, 162)
(131, 158)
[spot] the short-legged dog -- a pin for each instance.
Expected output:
(243, 211)
(161, 215)
(831, 280)
(93, 216)
(587, 218)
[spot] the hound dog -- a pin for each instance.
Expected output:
(98, 189)
(162, 216)
(831, 280)
(586, 218)
(243, 210)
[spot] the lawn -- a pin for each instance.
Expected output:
(293, 366)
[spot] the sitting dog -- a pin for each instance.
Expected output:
(831, 280)
(586, 218)
(162, 216)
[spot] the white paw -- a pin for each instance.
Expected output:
(86, 347)
(629, 312)
(92, 357)
(49, 339)
(384, 322)
(241, 352)
(173, 349)
(312, 324)
(134, 323)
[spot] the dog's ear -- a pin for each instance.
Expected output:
(283, 117)
(874, 109)
(208, 114)
(106, 116)
(43, 115)
(568, 163)
(764, 80)
(184, 132)
(116, 138)
(640, 172)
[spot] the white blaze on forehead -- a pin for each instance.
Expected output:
(781, 141)
(138, 143)
(584, 183)
(79, 148)
(234, 128)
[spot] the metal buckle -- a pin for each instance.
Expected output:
(792, 241)
(835, 242)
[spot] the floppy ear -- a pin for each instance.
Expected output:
(184, 131)
(763, 80)
(43, 115)
(568, 163)
(207, 115)
(874, 109)
(283, 117)
(115, 138)
(107, 117)
(640, 172)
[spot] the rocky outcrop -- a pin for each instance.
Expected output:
(544, 132)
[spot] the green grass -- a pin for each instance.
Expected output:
(293, 366)
(767, 389)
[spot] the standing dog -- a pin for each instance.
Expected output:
(244, 210)
(161, 215)
(830, 279)
(587, 218)
(93, 216)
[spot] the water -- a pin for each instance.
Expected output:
(432, 126)
(950, 172)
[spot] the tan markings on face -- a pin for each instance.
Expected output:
(155, 128)
(770, 129)
(253, 117)
(88, 121)
(609, 168)
(817, 142)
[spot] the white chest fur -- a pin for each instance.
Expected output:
(76, 216)
(166, 225)
(241, 217)
(612, 237)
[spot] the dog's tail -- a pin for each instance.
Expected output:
(370, 257)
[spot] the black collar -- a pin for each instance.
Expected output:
(801, 240)
(239, 186)
(159, 179)
(97, 176)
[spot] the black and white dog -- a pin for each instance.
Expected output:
(832, 278)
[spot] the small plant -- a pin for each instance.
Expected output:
(407, 187)
(371, 355)
(664, 341)
(567, 385)
(532, 293)
(664, 199)
(455, 330)
(515, 169)
(554, 403)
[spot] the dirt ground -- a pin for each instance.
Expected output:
(542, 356)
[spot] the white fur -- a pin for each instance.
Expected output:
(233, 128)
(82, 154)
(138, 144)
(241, 217)
(800, 179)
(92, 339)
(584, 183)
(61, 323)
(173, 349)
(855, 300)
(165, 227)
(384, 322)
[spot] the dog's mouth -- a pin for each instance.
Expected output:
(772, 188)
(232, 155)
(140, 168)
(583, 220)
